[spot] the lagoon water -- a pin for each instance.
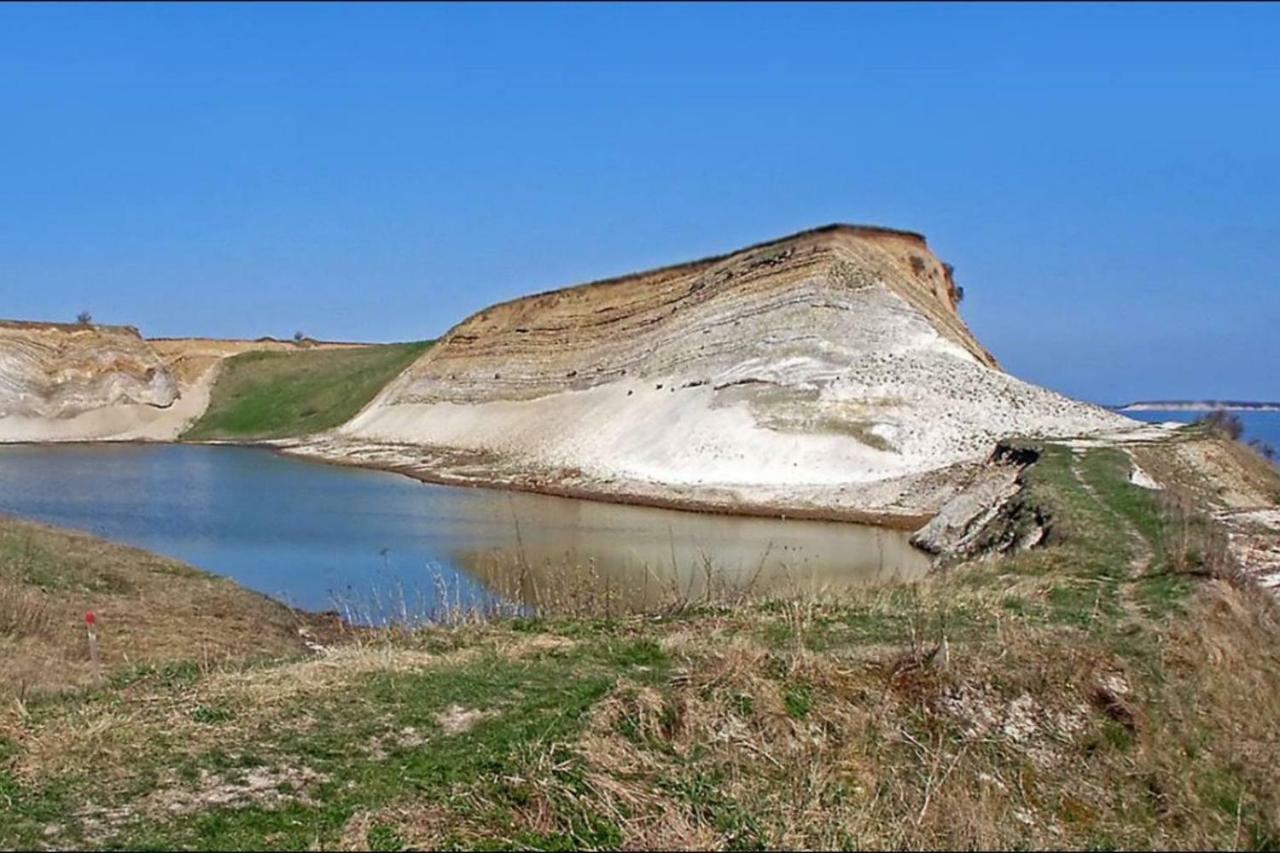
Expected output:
(379, 545)
(1263, 426)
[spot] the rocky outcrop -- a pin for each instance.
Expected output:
(826, 374)
(58, 370)
(62, 382)
(81, 382)
(988, 516)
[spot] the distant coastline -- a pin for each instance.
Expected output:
(1197, 406)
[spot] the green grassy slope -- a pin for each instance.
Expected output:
(281, 394)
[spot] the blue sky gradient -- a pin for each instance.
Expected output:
(1106, 179)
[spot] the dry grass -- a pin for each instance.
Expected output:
(1212, 470)
(1072, 696)
(1040, 739)
(1017, 735)
(119, 737)
(150, 611)
(1028, 738)
(1190, 542)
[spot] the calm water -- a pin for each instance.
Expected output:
(1264, 426)
(383, 545)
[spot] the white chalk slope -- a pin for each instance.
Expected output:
(827, 369)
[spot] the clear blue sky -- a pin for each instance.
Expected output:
(1105, 179)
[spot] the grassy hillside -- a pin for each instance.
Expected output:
(280, 394)
(1114, 688)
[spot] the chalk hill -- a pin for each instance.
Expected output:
(827, 373)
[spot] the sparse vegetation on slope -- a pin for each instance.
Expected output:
(1110, 689)
(282, 394)
(150, 610)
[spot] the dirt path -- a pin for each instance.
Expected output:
(1142, 554)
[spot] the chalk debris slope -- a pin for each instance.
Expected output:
(825, 374)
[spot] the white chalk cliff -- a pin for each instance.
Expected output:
(824, 374)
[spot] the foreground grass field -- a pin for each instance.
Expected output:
(1114, 688)
(282, 394)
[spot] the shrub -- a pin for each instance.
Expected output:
(950, 272)
(1191, 542)
(84, 318)
(1227, 423)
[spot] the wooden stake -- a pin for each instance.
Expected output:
(89, 620)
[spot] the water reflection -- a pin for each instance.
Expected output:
(581, 554)
(387, 547)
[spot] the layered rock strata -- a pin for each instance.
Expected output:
(825, 374)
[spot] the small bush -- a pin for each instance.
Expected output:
(950, 272)
(84, 318)
(1227, 423)
(1193, 543)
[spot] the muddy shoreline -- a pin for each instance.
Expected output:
(895, 521)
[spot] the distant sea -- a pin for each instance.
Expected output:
(1264, 426)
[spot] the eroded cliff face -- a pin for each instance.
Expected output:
(699, 317)
(827, 374)
(59, 370)
(65, 382)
